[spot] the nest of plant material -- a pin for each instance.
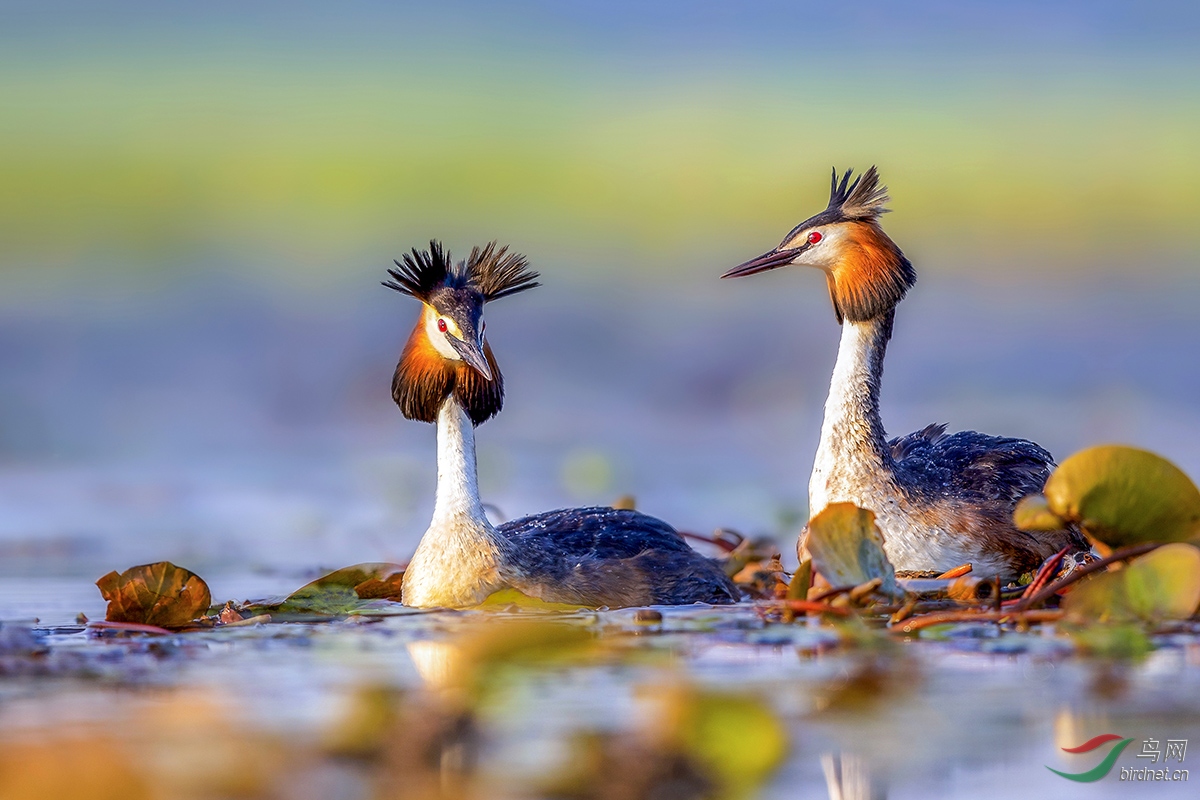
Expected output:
(1141, 514)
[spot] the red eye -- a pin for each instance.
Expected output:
(814, 237)
(442, 325)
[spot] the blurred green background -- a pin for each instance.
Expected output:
(1030, 136)
(197, 203)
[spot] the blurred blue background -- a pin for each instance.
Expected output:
(197, 203)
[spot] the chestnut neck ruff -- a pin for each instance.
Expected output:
(424, 379)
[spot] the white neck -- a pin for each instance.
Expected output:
(457, 479)
(853, 458)
(456, 560)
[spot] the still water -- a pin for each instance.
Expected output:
(251, 438)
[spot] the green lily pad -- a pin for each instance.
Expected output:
(801, 581)
(1161, 585)
(1120, 496)
(847, 548)
(346, 591)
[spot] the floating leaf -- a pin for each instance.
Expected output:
(359, 589)
(626, 501)
(738, 738)
(338, 594)
(160, 594)
(847, 548)
(1121, 495)
(698, 743)
(387, 587)
(1163, 584)
(1033, 514)
(801, 581)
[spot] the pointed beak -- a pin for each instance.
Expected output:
(775, 258)
(472, 353)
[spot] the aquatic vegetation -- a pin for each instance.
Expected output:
(847, 548)
(1109, 492)
(344, 591)
(697, 744)
(1117, 496)
(1163, 584)
(860, 633)
(160, 594)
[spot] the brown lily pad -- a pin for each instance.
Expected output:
(847, 548)
(359, 582)
(160, 594)
(385, 587)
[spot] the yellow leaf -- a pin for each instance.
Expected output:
(801, 580)
(847, 548)
(1121, 495)
(739, 738)
(1163, 584)
(1033, 514)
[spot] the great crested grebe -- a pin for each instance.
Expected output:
(587, 556)
(939, 499)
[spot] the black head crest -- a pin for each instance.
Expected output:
(497, 273)
(420, 272)
(424, 378)
(491, 271)
(863, 199)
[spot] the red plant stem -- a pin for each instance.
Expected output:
(1044, 572)
(1039, 578)
(1040, 615)
(723, 545)
(1087, 569)
(808, 606)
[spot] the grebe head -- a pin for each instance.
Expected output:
(865, 270)
(447, 352)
